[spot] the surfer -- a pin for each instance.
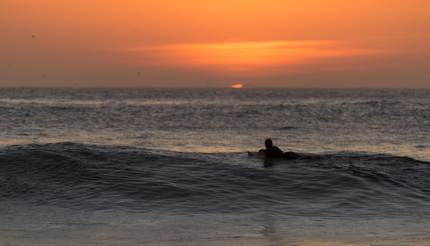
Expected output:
(275, 152)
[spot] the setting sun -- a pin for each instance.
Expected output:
(237, 86)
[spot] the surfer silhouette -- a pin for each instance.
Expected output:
(273, 151)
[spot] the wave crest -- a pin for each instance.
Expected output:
(71, 174)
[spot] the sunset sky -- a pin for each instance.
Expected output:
(186, 43)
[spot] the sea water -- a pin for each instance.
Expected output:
(170, 167)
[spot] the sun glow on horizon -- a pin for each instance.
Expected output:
(244, 57)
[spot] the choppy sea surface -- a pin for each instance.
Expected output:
(170, 167)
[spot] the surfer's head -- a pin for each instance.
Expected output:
(268, 143)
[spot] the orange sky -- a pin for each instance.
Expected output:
(272, 43)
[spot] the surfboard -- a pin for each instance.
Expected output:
(256, 154)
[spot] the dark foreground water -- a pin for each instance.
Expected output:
(169, 167)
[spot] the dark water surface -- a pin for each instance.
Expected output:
(169, 166)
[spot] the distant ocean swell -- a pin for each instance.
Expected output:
(108, 177)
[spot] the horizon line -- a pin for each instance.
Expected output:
(218, 87)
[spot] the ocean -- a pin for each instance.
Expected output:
(170, 167)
